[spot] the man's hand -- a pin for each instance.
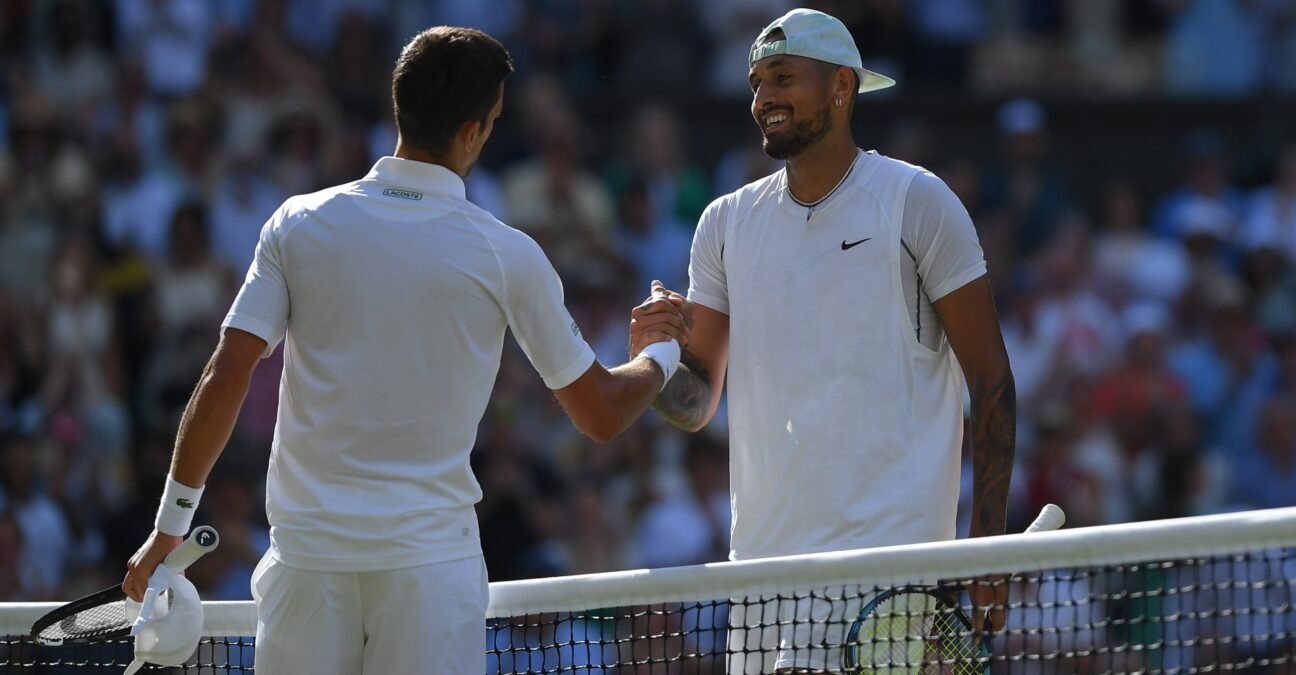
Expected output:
(664, 315)
(989, 596)
(145, 561)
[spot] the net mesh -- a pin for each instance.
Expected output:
(1192, 596)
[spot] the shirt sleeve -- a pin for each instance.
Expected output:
(543, 327)
(940, 234)
(708, 285)
(261, 307)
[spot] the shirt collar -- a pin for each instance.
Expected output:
(413, 173)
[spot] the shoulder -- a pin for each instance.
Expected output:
(747, 196)
(301, 208)
(512, 248)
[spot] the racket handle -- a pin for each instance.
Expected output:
(200, 542)
(1051, 517)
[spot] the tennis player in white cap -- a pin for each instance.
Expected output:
(845, 298)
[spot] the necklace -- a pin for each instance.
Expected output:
(820, 200)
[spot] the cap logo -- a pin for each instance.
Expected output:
(766, 50)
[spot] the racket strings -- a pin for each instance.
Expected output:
(89, 623)
(915, 633)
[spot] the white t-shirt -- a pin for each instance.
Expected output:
(845, 429)
(392, 295)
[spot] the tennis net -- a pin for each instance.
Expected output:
(1193, 595)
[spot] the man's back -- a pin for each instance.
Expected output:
(400, 292)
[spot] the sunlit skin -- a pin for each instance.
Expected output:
(815, 138)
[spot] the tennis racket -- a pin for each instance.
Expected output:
(103, 615)
(923, 629)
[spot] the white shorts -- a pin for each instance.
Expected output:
(800, 634)
(804, 633)
(425, 619)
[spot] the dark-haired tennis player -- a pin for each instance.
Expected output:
(392, 295)
(840, 296)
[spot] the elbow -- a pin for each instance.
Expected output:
(601, 428)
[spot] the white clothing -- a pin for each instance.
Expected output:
(400, 293)
(862, 421)
(425, 619)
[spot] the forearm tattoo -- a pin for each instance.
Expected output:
(994, 440)
(685, 399)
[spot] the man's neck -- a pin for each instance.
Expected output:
(813, 174)
(406, 151)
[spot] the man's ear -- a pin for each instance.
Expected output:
(844, 83)
(469, 134)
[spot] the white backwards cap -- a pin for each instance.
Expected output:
(818, 36)
(170, 632)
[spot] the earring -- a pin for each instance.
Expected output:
(838, 103)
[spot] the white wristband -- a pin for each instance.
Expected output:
(667, 356)
(175, 513)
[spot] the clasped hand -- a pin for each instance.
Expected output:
(664, 315)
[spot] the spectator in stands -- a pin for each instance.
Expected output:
(1271, 215)
(1130, 265)
(1179, 474)
(191, 293)
(1266, 478)
(1213, 47)
(1024, 188)
(657, 153)
(1128, 396)
(730, 25)
(1205, 179)
(172, 39)
(1217, 362)
(44, 530)
(558, 200)
(946, 31)
(655, 243)
(68, 66)
(661, 49)
(689, 525)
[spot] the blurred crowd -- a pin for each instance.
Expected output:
(143, 143)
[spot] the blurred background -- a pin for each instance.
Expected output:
(1130, 166)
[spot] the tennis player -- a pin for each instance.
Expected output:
(392, 295)
(840, 296)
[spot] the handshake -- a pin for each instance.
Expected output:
(659, 327)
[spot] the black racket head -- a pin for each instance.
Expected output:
(905, 626)
(94, 618)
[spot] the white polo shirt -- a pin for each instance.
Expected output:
(845, 400)
(392, 295)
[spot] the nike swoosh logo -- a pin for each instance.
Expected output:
(847, 247)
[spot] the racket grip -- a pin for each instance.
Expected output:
(1051, 517)
(201, 541)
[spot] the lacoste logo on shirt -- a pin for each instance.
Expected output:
(403, 194)
(184, 503)
(846, 247)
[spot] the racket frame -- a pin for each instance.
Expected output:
(201, 541)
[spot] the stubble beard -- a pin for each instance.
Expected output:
(802, 135)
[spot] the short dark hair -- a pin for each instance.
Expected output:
(445, 77)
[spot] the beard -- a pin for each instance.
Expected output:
(799, 136)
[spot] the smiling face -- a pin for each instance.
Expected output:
(791, 103)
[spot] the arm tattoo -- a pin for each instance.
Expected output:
(685, 399)
(994, 439)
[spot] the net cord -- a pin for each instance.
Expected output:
(918, 563)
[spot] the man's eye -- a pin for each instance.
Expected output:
(784, 78)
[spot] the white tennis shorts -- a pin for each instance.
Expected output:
(793, 633)
(426, 619)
